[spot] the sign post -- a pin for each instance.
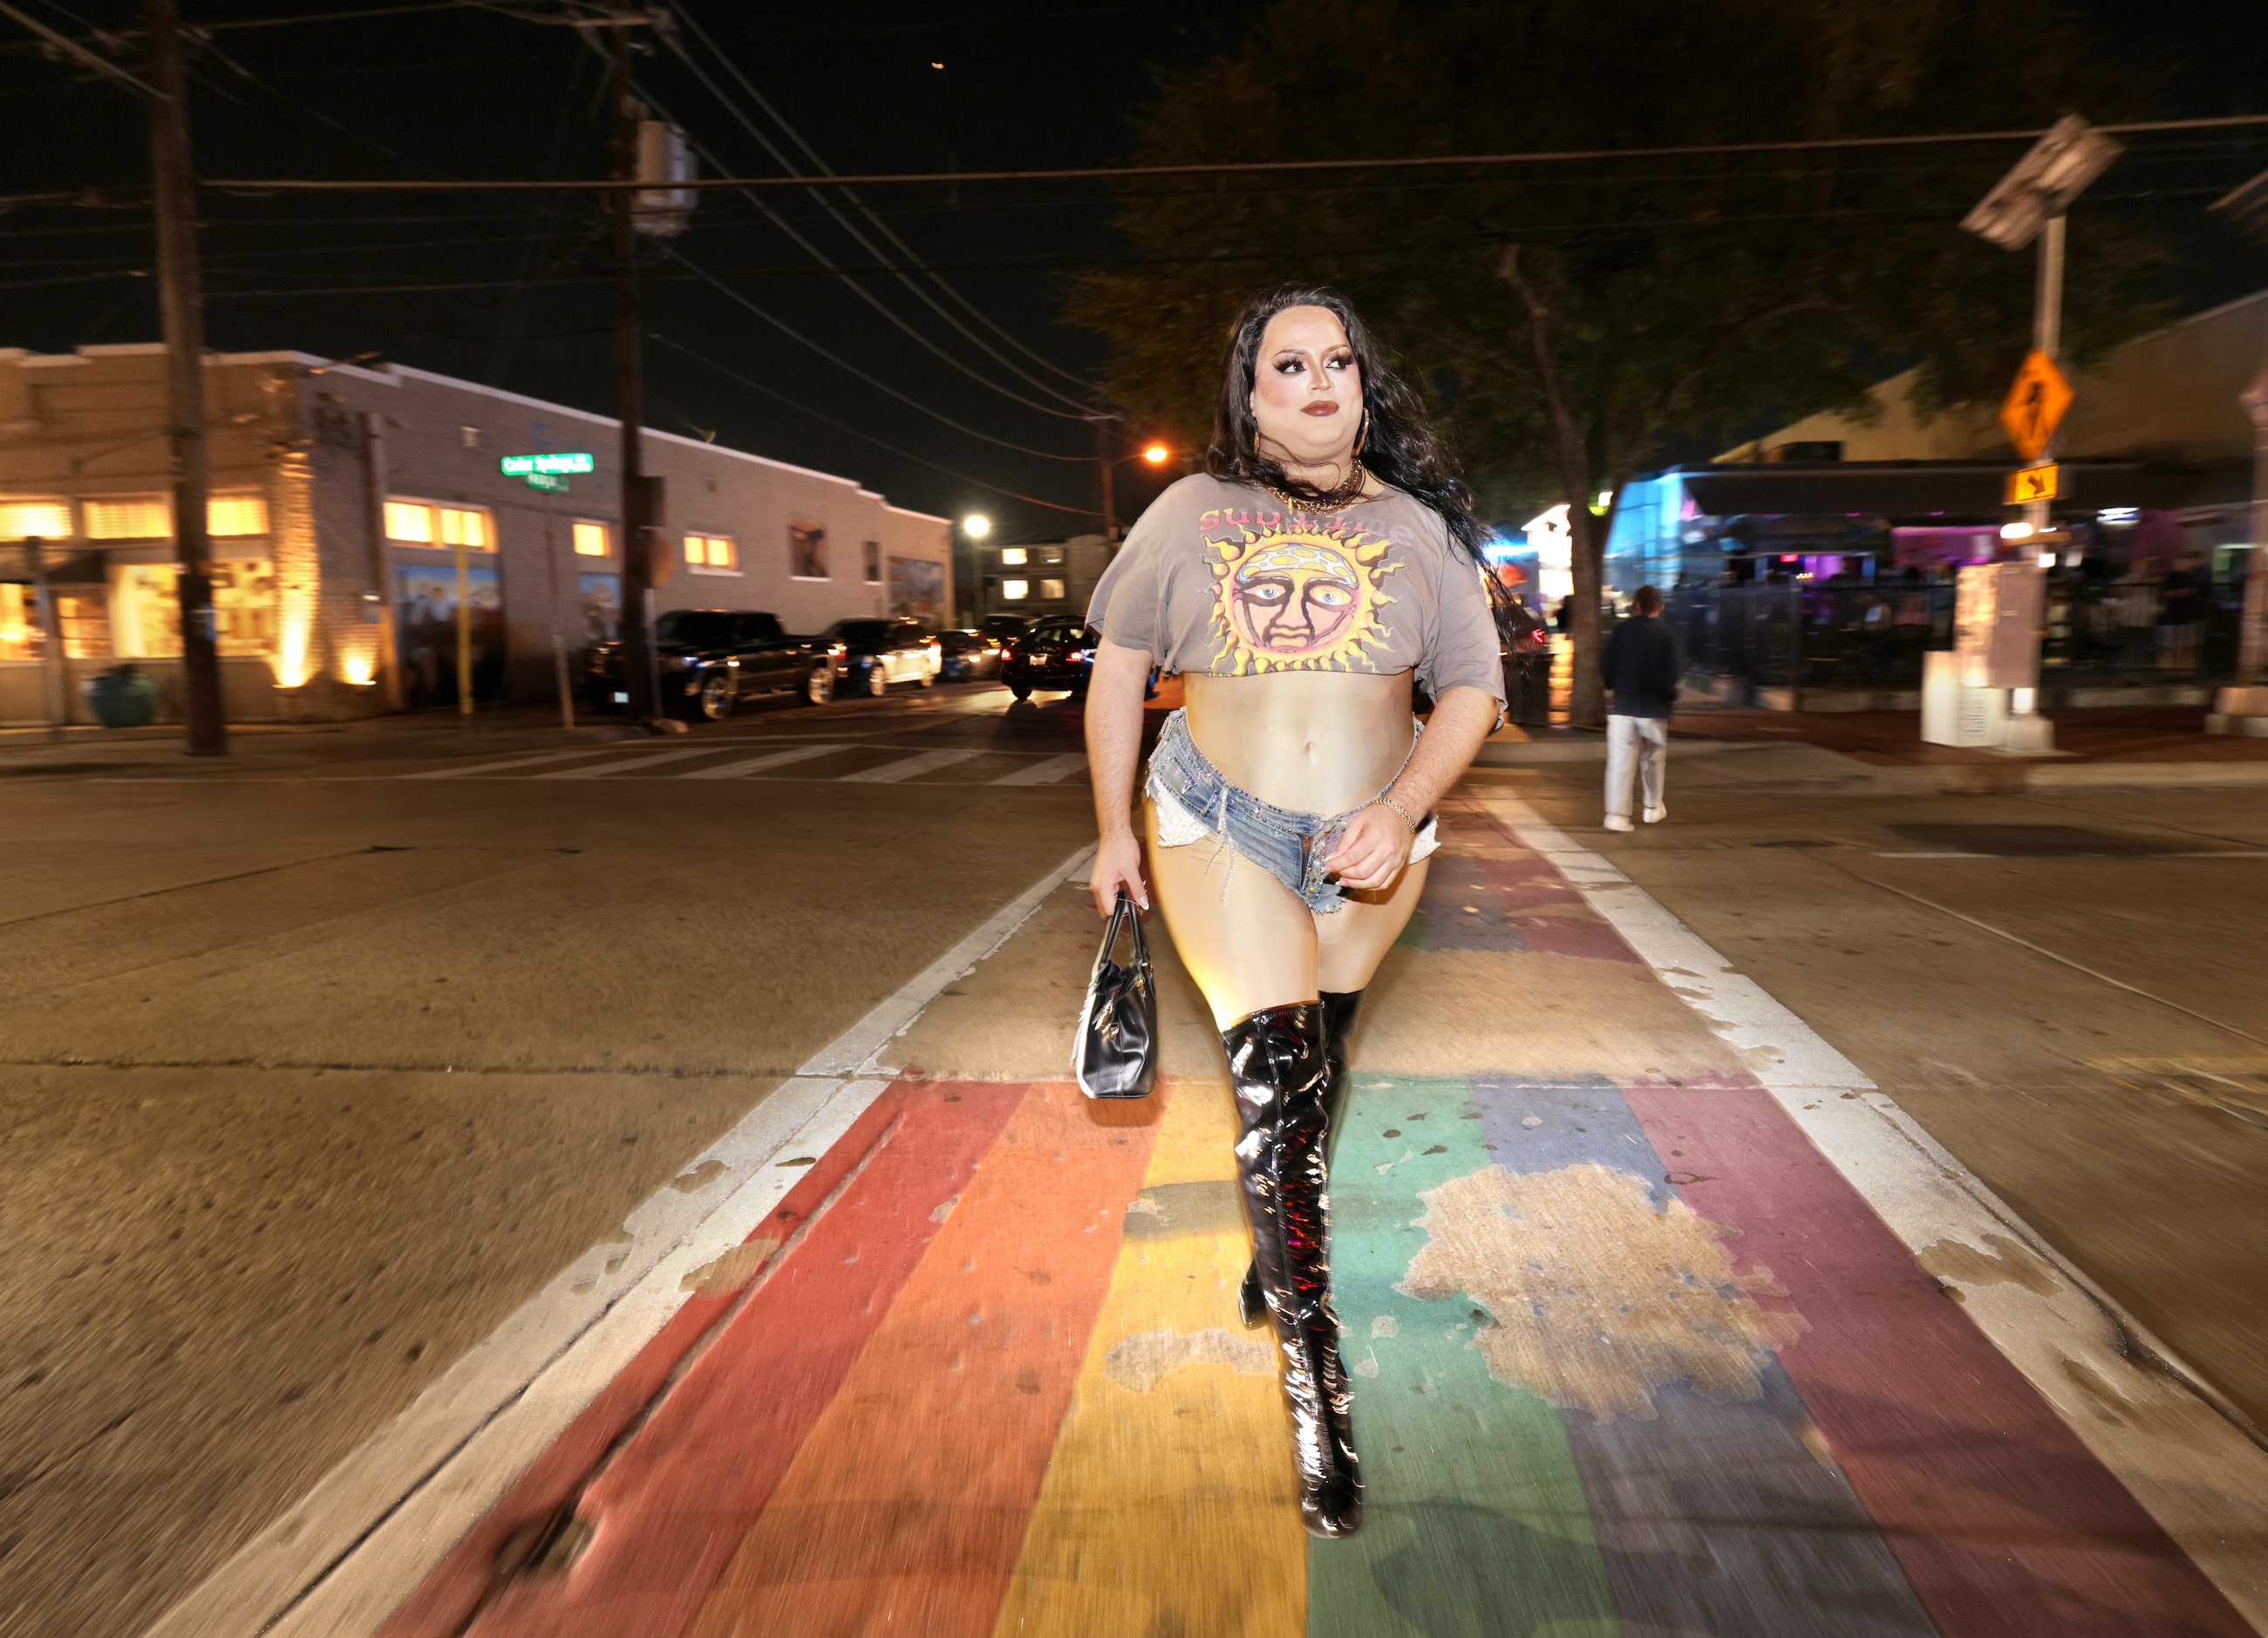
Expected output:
(2029, 204)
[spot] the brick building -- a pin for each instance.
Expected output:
(342, 498)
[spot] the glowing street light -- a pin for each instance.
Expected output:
(976, 526)
(1157, 455)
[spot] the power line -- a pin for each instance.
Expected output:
(846, 426)
(812, 154)
(845, 365)
(871, 300)
(1242, 167)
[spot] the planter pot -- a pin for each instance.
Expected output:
(123, 697)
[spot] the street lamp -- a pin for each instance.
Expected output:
(976, 526)
(1157, 455)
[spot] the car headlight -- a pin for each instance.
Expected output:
(675, 662)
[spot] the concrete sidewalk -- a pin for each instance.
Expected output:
(1733, 748)
(1663, 1319)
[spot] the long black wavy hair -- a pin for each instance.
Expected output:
(1401, 449)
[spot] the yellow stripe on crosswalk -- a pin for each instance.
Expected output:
(1169, 1505)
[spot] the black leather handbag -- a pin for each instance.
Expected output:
(1114, 1054)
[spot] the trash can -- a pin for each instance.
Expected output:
(123, 697)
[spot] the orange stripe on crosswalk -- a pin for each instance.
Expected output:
(904, 1508)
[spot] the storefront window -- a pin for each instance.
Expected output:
(420, 523)
(591, 540)
(19, 623)
(22, 520)
(229, 517)
(244, 605)
(128, 518)
(145, 615)
(85, 618)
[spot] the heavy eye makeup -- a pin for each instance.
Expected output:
(1292, 364)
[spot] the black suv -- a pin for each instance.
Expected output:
(1057, 653)
(711, 657)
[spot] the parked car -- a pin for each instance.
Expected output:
(1007, 628)
(710, 658)
(875, 653)
(1525, 639)
(969, 656)
(1057, 652)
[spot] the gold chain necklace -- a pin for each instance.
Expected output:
(1334, 499)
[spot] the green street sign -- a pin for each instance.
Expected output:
(550, 482)
(527, 466)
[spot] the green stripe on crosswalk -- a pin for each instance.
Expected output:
(1474, 1519)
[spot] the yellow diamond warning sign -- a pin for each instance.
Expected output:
(2031, 484)
(2036, 405)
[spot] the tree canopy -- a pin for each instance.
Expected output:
(1574, 319)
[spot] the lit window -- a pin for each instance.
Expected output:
(1015, 591)
(408, 520)
(128, 518)
(591, 540)
(20, 628)
(1013, 557)
(460, 527)
(1051, 554)
(244, 605)
(1051, 590)
(21, 519)
(86, 625)
(228, 516)
(712, 552)
(145, 615)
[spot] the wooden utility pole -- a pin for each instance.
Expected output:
(641, 678)
(180, 304)
(1106, 456)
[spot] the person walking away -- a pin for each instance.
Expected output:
(1640, 667)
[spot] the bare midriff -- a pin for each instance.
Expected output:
(1313, 742)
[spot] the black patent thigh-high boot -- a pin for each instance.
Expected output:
(1338, 1023)
(1281, 1073)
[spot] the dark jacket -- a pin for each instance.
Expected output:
(1641, 667)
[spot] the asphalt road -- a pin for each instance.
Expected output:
(311, 1075)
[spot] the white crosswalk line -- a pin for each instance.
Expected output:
(1046, 771)
(747, 765)
(507, 765)
(905, 768)
(638, 763)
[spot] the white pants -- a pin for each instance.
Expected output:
(1642, 741)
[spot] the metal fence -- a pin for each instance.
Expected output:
(1854, 637)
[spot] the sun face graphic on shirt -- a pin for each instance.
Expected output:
(1299, 598)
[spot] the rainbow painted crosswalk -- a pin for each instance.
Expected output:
(1632, 1354)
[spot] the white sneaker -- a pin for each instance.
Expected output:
(1655, 815)
(1619, 822)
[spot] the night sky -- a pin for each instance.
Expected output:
(514, 287)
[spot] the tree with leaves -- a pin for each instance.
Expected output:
(1577, 318)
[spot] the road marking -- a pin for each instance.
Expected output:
(637, 762)
(1046, 772)
(2177, 1444)
(747, 765)
(340, 1559)
(906, 767)
(511, 763)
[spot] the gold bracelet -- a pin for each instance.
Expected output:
(1400, 812)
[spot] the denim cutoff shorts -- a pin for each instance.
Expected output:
(1289, 846)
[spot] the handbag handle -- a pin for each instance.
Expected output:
(1123, 914)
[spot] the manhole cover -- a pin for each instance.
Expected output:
(2029, 841)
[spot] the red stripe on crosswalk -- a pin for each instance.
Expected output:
(2005, 1522)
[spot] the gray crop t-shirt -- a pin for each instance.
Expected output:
(1225, 578)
